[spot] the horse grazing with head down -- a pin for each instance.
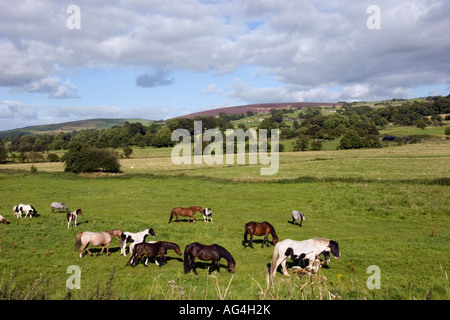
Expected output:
(59, 207)
(297, 216)
(259, 229)
(24, 208)
(96, 239)
(152, 250)
(306, 249)
(212, 252)
(186, 212)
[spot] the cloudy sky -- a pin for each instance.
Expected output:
(164, 58)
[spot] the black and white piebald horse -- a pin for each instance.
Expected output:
(207, 213)
(306, 249)
(26, 209)
(72, 216)
(133, 239)
(297, 216)
(59, 207)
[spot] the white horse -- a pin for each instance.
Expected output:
(24, 208)
(133, 239)
(297, 215)
(306, 249)
(72, 216)
(59, 206)
(206, 212)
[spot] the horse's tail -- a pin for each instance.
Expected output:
(78, 241)
(245, 233)
(273, 266)
(186, 262)
(171, 215)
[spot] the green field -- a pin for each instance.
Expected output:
(387, 207)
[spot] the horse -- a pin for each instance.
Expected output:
(73, 217)
(24, 208)
(306, 249)
(151, 250)
(206, 212)
(96, 239)
(297, 216)
(259, 229)
(3, 220)
(185, 212)
(133, 239)
(212, 252)
(59, 206)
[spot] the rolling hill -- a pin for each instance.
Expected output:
(99, 123)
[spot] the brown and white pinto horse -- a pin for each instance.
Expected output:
(186, 212)
(72, 216)
(259, 229)
(96, 239)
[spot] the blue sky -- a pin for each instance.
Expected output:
(160, 59)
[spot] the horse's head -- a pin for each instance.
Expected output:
(151, 232)
(231, 266)
(79, 212)
(334, 248)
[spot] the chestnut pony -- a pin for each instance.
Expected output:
(259, 229)
(186, 212)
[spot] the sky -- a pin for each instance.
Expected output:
(158, 59)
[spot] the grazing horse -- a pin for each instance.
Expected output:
(24, 208)
(212, 252)
(306, 249)
(297, 216)
(259, 229)
(3, 220)
(152, 250)
(185, 212)
(133, 239)
(59, 207)
(206, 212)
(96, 239)
(73, 217)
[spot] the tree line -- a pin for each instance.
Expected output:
(355, 126)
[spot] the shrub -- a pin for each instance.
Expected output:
(82, 158)
(351, 140)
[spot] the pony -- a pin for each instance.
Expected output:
(206, 212)
(96, 239)
(306, 249)
(3, 220)
(73, 217)
(24, 208)
(151, 250)
(185, 212)
(212, 252)
(133, 239)
(59, 206)
(259, 229)
(297, 216)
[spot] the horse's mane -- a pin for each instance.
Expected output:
(225, 254)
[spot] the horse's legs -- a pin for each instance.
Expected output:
(264, 240)
(283, 267)
(85, 247)
(103, 248)
(194, 268)
(144, 261)
(250, 243)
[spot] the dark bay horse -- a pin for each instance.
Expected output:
(259, 229)
(212, 252)
(152, 250)
(187, 212)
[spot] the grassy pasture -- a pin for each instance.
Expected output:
(387, 207)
